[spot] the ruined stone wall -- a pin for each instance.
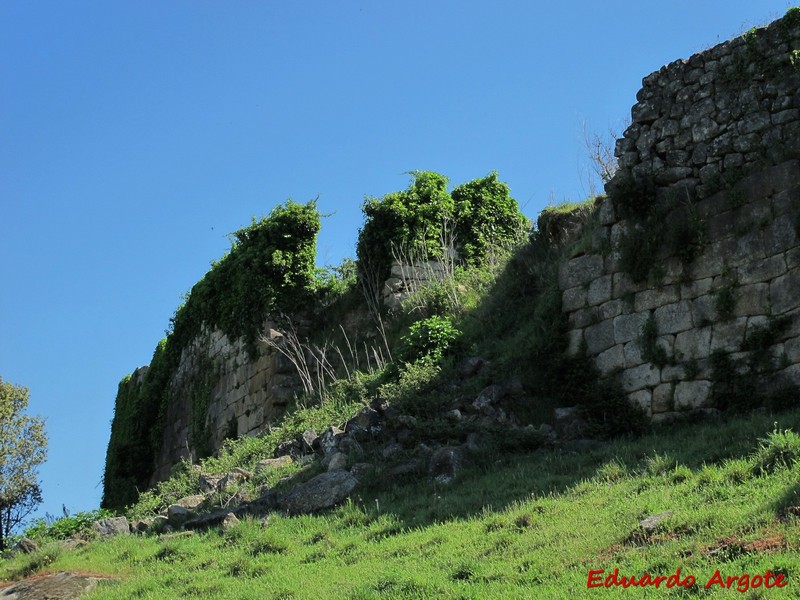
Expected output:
(714, 141)
(243, 390)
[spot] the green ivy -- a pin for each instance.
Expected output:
(269, 270)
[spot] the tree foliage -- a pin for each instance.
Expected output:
(23, 447)
(425, 221)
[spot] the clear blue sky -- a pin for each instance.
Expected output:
(135, 135)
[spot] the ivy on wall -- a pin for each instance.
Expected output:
(270, 269)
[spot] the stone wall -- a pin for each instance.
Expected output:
(242, 390)
(714, 139)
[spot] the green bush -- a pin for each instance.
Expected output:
(65, 527)
(429, 338)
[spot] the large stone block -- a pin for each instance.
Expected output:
(728, 335)
(629, 327)
(693, 344)
(573, 299)
(751, 299)
(579, 271)
(599, 290)
(642, 399)
(574, 342)
(640, 377)
(784, 292)
(693, 289)
(611, 359)
(599, 337)
(633, 354)
(673, 318)
(662, 398)
(611, 309)
(692, 394)
(762, 270)
(655, 297)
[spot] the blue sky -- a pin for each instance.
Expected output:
(136, 135)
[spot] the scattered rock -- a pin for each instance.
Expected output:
(329, 442)
(229, 521)
(74, 544)
(309, 441)
(64, 586)
(651, 523)
(350, 446)
(323, 491)
(391, 450)
(470, 367)
(191, 502)
(274, 463)
(209, 483)
(454, 416)
(290, 448)
(111, 526)
(142, 525)
(368, 417)
(361, 470)
(160, 524)
(488, 397)
(177, 515)
(445, 464)
(338, 462)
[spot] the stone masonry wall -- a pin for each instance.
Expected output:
(716, 137)
(243, 393)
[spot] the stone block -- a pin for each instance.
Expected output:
(611, 359)
(611, 309)
(692, 394)
(662, 398)
(599, 337)
(673, 318)
(629, 327)
(573, 299)
(642, 399)
(792, 257)
(633, 354)
(784, 292)
(640, 377)
(655, 298)
(693, 289)
(792, 350)
(605, 211)
(693, 344)
(762, 270)
(780, 235)
(579, 271)
(751, 299)
(747, 247)
(728, 335)
(584, 317)
(599, 290)
(574, 341)
(710, 262)
(624, 285)
(704, 310)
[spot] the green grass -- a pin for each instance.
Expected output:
(513, 526)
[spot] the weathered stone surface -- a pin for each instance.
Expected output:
(573, 299)
(329, 441)
(445, 464)
(784, 292)
(673, 318)
(642, 399)
(654, 298)
(229, 521)
(693, 344)
(323, 491)
(629, 327)
(580, 271)
(338, 462)
(728, 335)
(599, 337)
(692, 394)
(611, 359)
(63, 586)
(599, 290)
(662, 398)
(633, 354)
(574, 341)
(111, 526)
(645, 375)
(177, 515)
(651, 523)
(27, 546)
(762, 270)
(751, 299)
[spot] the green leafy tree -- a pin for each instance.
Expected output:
(23, 447)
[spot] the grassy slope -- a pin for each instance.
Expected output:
(520, 526)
